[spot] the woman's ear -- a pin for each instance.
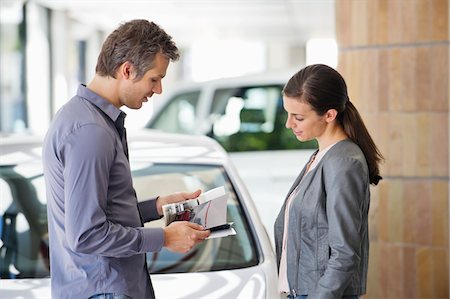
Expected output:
(331, 115)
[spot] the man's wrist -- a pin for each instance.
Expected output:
(159, 204)
(153, 239)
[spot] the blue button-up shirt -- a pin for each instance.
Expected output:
(97, 240)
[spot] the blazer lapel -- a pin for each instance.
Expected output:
(299, 178)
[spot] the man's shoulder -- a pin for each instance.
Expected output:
(78, 114)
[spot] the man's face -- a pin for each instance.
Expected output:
(133, 93)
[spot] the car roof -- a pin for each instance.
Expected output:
(268, 78)
(144, 145)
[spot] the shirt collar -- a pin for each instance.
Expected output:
(101, 103)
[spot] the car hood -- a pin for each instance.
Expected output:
(25, 288)
(242, 283)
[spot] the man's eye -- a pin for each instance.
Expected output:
(299, 119)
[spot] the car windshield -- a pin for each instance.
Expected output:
(23, 220)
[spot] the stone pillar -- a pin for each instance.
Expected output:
(394, 55)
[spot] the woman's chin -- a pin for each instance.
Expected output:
(302, 138)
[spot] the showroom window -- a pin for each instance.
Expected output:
(13, 112)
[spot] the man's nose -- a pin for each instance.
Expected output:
(157, 88)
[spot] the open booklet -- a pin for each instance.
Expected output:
(208, 210)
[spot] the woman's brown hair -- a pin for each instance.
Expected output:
(324, 88)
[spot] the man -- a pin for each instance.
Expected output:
(97, 239)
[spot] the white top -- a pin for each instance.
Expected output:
(283, 285)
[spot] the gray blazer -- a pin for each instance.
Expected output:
(328, 245)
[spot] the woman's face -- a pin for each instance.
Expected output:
(304, 122)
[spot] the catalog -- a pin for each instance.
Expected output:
(208, 210)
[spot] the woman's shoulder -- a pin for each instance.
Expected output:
(345, 152)
(345, 148)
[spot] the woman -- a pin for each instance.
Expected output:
(321, 232)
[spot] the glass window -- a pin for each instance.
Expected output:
(13, 114)
(23, 220)
(252, 118)
(23, 223)
(231, 252)
(179, 114)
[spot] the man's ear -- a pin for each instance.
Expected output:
(331, 115)
(126, 70)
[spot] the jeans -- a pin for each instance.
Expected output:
(109, 296)
(306, 296)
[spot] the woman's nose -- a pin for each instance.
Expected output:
(288, 122)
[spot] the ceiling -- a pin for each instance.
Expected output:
(293, 21)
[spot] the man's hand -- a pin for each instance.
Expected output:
(181, 236)
(175, 197)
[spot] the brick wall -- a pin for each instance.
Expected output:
(394, 55)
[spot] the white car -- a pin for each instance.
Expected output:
(246, 116)
(238, 266)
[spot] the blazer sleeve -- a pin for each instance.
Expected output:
(346, 183)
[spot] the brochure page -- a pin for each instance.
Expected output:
(208, 210)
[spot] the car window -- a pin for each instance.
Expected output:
(178, 116)
(23, 223)
(252, 118)
(23, 220)
(231, 252)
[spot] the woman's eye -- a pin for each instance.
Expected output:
(299, 119)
